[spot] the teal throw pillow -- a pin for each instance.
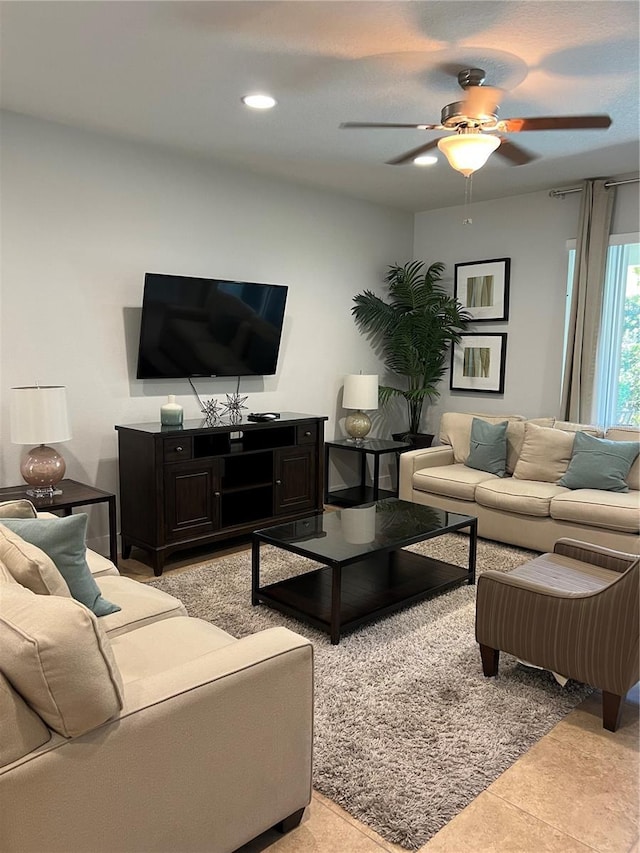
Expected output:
(63, 539)
(488, 447)
(598, 463)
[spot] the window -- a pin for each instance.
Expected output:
(617, 381)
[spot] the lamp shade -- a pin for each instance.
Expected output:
(360, 391)
(39, 415)
(467, 152)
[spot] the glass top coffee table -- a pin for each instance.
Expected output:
(365, 570)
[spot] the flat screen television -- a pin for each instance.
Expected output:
(209, 327)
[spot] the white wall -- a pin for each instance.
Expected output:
(84, 216)
(532, 230)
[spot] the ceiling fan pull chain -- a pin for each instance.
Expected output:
(468, 192)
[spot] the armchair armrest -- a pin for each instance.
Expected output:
(508, 580)
(415, 460)
(597, 555)
(204, 756)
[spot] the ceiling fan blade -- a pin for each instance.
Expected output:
(514, 153)
(516, 125)
(411, 155)
(481, 101)
(359, 124)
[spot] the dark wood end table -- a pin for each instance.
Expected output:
(73, 494)
(363, 493)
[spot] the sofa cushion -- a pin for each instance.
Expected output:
(570, 426)
(99, 565)
(451, 481)
(527, 497)
(30, 566)
(599, 463)
(545, 454)
(610, 510)
(488, 447)
(63, 539)
(455, 430)
(628, 433)
(57, 657)
(164, 645)
(17, 509)
(139, 603)
(22, 729)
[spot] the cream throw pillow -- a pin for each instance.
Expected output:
(21, 508)
(30, 566)
(58, 658)
(5, 574)
(515, 439)
(545, 454)
(22, 731)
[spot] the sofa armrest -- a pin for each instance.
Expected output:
(205, 756)
(236, 660)
(596, 555)
(415, 460)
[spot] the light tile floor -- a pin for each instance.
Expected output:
(576, 790)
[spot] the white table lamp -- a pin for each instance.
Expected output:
(39, 416)
(360, 392)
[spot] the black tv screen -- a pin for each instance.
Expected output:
(209, 327)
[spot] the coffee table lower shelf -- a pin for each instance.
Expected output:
(365, 590)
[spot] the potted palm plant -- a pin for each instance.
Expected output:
(413, 332)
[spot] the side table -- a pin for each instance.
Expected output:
(73, 494)
(363, 493)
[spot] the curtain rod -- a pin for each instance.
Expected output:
(561, 193)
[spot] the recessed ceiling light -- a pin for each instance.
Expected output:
(259, 102)
(425, 160)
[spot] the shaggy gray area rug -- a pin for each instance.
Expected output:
(407, 729)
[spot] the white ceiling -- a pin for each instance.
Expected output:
(172, 73)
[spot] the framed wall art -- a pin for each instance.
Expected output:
(482, 288)
(478, 363)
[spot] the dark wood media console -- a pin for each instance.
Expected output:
(181, 487)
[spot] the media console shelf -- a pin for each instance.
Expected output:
(190, 485)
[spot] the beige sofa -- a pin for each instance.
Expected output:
(145, 730)
(527, 507)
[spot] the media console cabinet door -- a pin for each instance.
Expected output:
(295, 478)
(191, 499)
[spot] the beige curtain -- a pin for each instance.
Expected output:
(594, 225)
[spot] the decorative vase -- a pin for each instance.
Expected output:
(171, 413)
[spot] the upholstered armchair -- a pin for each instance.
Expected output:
(574, 612)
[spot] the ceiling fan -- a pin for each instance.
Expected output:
(478, 128)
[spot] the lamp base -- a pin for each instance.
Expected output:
(357, 425)
(43, 493)
(42, 469)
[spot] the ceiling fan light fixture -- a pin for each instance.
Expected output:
(259, 101)
(425, 160)
(468, 152)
